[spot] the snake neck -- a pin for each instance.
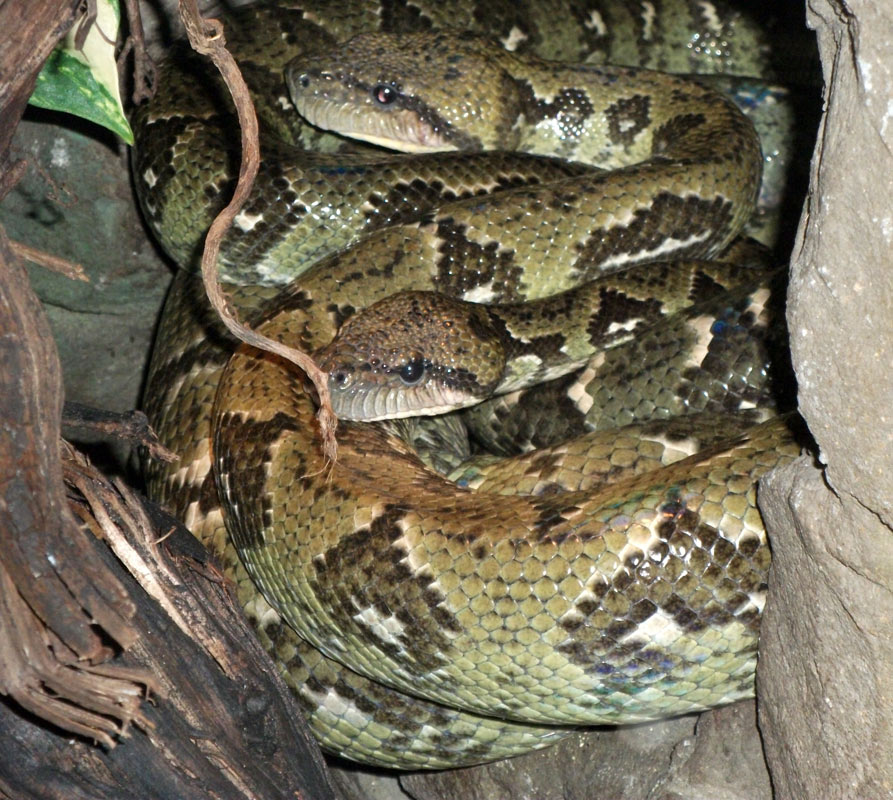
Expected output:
(422, 352)
(462, 91)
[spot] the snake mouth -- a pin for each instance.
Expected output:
(360, 401)
(397, 129)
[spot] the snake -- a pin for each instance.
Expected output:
(610, 573)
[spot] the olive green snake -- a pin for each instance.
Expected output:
(612, 578)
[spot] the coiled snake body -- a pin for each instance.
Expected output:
(421, 623)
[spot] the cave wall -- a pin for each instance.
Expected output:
(825, 683)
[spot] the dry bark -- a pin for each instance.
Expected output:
(59, 608)
(105, 639)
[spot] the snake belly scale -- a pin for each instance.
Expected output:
(420, 622)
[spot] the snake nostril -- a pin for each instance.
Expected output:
(304, 80)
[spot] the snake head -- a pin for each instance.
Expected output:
(420, 92)
(410, 354)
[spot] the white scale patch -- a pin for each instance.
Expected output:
(577, 393)
(270, 272)
(676, 449)
(641, 537)
(514, 38)
(416, 563)
(628, 326)
(246, 221)
(480, 294)
(702, 326)
(519, 371)
(711, 18)
(150, 178)
(258, 608)
(666, 246)
(196, 471)
(596, 23)
(758, 302)
(658, 629)
(758, 599)
(341, 708)
(385, 628)
(649, 14)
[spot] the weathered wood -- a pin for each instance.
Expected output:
(217, 722)
(114, 642)
(32, 28)
(60, 610)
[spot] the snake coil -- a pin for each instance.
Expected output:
(612, 578)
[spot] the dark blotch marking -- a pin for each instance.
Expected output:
(464, 265)
(550, 513)
(668, 135)
(340, 314)
(616, 307)
(669, 217)
(243, 452)
(542, 463)
(366, 567)
(402, 16)
(570, 108)
(627, 118)
(406, 202)
(705, 288)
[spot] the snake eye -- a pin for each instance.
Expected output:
(340, 379)
(411, 372)
(383, 94)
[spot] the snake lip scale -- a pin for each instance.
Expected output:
(606, 576)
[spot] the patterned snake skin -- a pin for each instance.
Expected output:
(425, 622)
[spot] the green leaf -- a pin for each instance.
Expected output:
(85, 81)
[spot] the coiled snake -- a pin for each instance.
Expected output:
(423, 624)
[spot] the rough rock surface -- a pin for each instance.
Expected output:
(826, 655)
(716, 756)
(76, 201)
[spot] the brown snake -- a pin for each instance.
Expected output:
(421, 623)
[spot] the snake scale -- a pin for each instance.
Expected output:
(614, 577)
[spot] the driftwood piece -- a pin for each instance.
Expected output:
(59, 609)
(124, 671)
(217, 722)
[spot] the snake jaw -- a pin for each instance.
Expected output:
(367, 387)
(401, 130)
(371, 401)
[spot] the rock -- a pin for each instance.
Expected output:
(826, 656)
(76, 201)
(723, 761)
(622, 763)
